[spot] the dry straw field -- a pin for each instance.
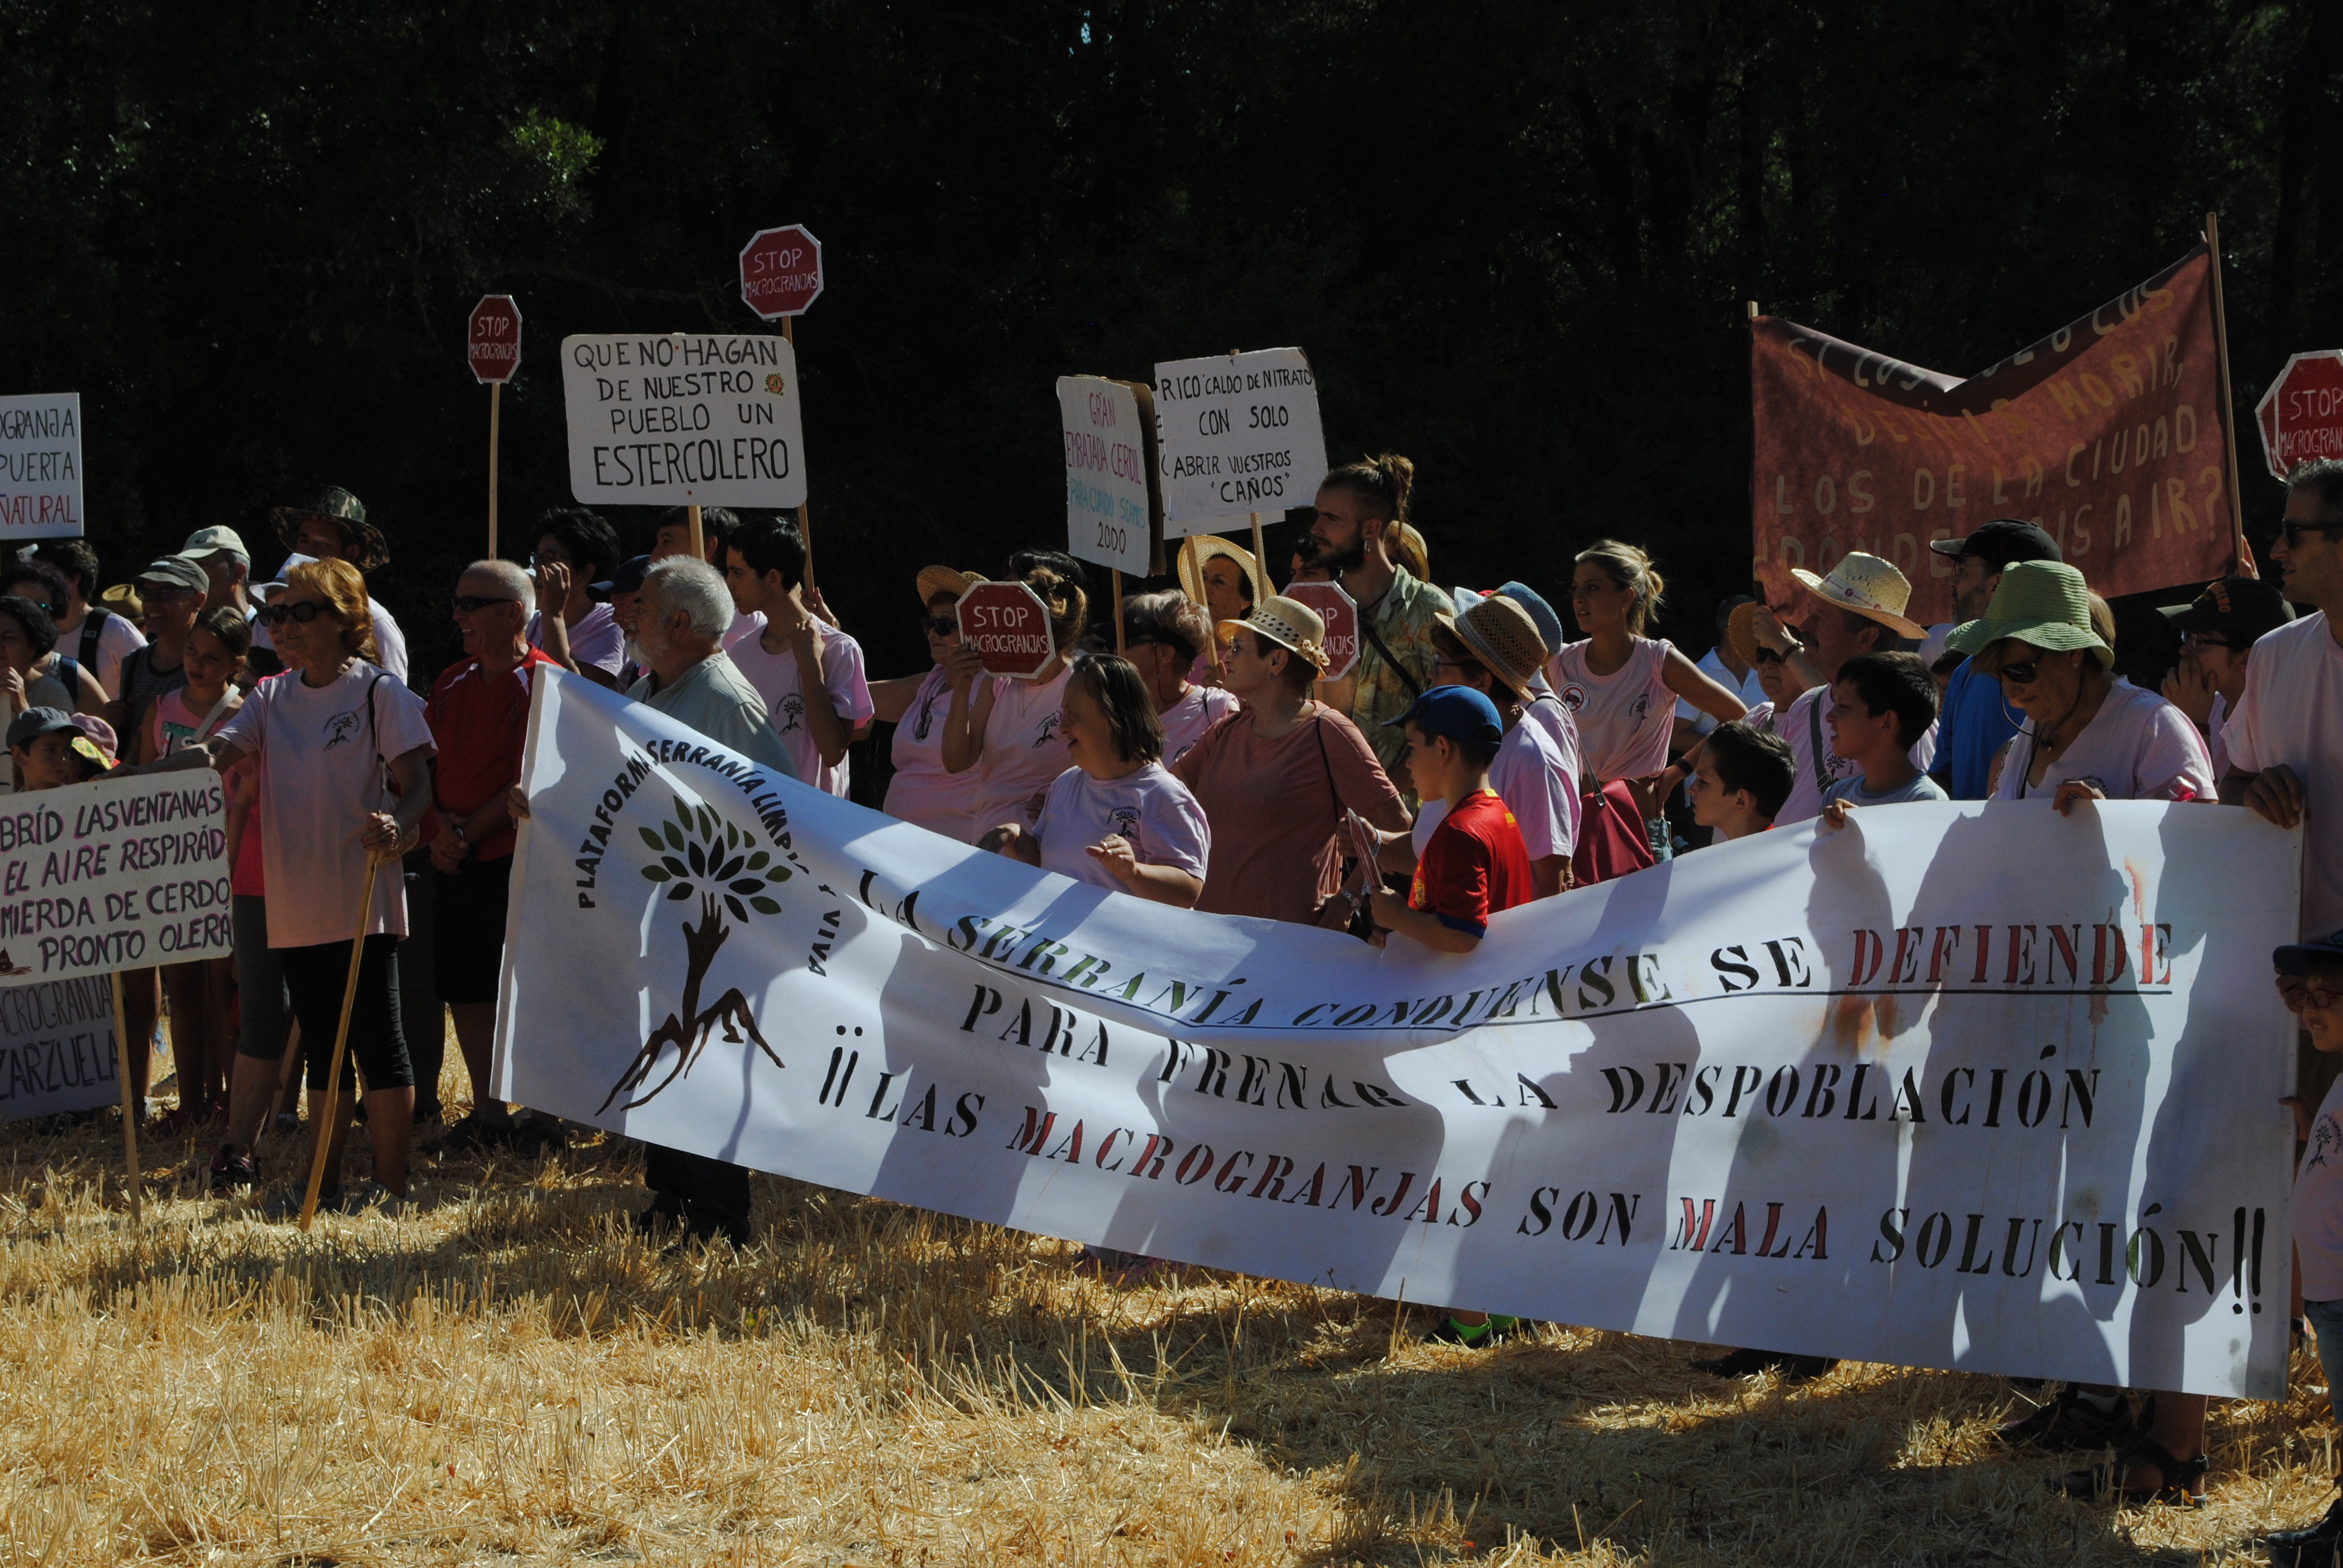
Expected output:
(508, 1375)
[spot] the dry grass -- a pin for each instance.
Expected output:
(509, 1375)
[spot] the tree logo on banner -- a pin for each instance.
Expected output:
(701, 853)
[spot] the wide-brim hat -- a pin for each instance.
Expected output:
(1289, 623)
(944, 582)
(1869, 587)
(1499, 634)
(344, 511)
(1198, 548)
(123, 598)
(2043, 604)
(1407, 546)
(1741, 634)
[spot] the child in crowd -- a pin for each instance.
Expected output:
(42, 744)
(1475, 866)
(2310, 979)
(1740, 777)
(1115, 818)
(1881, 705)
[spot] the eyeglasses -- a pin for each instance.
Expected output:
(305, 612)
(1761, 654)
(473, 604)
(158, 593)
(549, 558)
(2318, 1000)
(2203, 639)
(939, 624)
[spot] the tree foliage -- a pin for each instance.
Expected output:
(1517, 236)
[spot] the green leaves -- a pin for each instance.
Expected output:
(699, 849)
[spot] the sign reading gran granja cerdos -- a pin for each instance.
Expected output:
(1997, 1089)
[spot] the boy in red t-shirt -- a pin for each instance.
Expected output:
(1475, 864)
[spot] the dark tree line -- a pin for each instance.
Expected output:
(1516, 237)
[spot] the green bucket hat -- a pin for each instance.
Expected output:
(2044, 603)
(367, 551)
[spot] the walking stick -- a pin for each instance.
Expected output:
(129, 1101)
(324, 1118)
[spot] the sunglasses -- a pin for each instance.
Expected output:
(472, 604)
(2018, 673)
(1761, 654)
(2294, 530)
(305, 612)
(939, 624)
(2319, 1000)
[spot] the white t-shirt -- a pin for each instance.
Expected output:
(778, 681)
(1150, 807)
(117, 639)
(1023, 752)
(596, 642)
(2318, 1202)
(321, 752)
(1185, 721)
(1622, 717)
(2138, 747)
(920, 791)
(2216, 741)
(1536, 779)
(2292, 714)
(1712, 665)
(1807, 720)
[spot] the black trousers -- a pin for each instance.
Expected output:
(704, 1193)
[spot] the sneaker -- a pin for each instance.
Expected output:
(1750, 1363)
(1476, 1336)
(173, 1122)
(286, 1207)
(660, 1216)
(231, 1171)
(471, 1135)
(374, 1197)
(535, 1137)
(2068, 1421)
(2316, 1547)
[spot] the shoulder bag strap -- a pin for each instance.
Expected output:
(1815, 730)
(93, 625)
(1367, 629)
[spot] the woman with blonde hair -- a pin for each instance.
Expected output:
(1005, 730)
(326, 735)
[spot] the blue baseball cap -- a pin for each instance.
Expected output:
(1549, 624)
(1458, 713)
(2292, 959)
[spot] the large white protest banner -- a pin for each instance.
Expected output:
(57, 1047)
(1962, 1085)
(1110, 513)
(114, 874)
(1240, 434)
(40, 466)
(704, 419)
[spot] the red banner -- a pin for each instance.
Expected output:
(2107, 433)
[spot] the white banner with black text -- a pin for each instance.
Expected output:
(1971, 1086)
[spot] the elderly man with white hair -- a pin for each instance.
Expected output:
(681, 621)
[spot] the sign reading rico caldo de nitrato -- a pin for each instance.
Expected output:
(117, 874)
(703, 419)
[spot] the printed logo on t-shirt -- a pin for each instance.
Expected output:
(1641, 708)
(1573, 696)
(340, 727)
(793, 710)
(1049, 732)
(1126, 822)
(927, 712)
(2326, 1140)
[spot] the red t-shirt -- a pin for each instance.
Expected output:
(479, 725)
(1474, 865)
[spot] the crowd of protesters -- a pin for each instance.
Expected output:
(1477, 758)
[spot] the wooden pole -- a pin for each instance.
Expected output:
(1753, 310)
(805, 523)
(323, 1119)
(2245, 556)
(286, 1065)
(129, 1101)
(1265, 585)
(496, 405)
(1116, 573)
(699, 545)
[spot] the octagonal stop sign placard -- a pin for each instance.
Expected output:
(780, 271)
(492, 343)
(1009, 627)
(1341, 613)
(2301, 414)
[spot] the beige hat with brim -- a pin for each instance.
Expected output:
(1410, 550)
(1289, 623)
(1501, 634)
(1198, 548)
(943, 582)
(1869, 587)
(1741, 634)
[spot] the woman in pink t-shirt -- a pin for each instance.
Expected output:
(1004, 731)
(923, 791)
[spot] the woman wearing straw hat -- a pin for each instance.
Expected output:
(2088, 733)
(923, 791)
(1277, 779)
(1222, 577)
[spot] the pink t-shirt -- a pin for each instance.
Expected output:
(2138, 747)
(777, 680)
(1024, 753)
(1624, 718)
(1185, 721)
(2292, 712)
(2318, 1202)
(1150, 807)
(921, 792)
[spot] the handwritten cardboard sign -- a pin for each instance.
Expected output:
(117, 874)
(1110, 506)
(1240, 434)
(40, 467)
(682, 419)
(57, 1049)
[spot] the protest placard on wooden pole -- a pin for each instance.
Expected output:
(2245, 565)
(780, 275)
(1114, 514)
(1261, 553)
(496, 406)
(1238, 432)
(492, 348)
(132, 1173)
(805, 521)
(699, 545)
(323, 1118)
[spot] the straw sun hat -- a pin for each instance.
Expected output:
(1741, 634)
(1291, 625)
(1199, 549)
(2043, 604)
(946, 582)
(1869, 587)
(1501, 634)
